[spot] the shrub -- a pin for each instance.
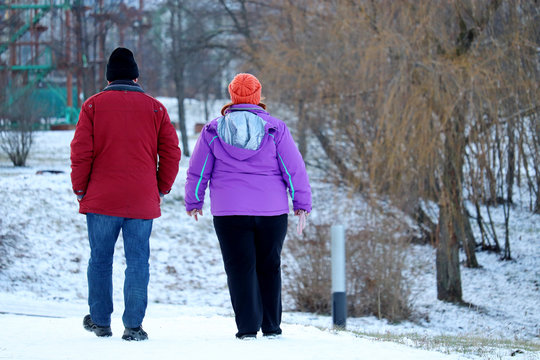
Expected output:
(309, 270)
(376, 262)
(17, 130)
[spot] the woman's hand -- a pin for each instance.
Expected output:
(194, 213)
(302, 221)
(300, 212)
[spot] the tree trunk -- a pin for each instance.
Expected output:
(178, 72)
(182, 117)
(447, 261)
(536, 162)
(480, 224)
(507, 254)
(537, 205)
(428, 228)
(302, 128)
(84, 71)
(102, 63)
(450, 215)
(492, 183)
(511, 162)
(335, 158)
(206, 109)
(469, 242)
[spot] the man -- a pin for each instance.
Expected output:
(124, 159)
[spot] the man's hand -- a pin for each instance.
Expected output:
(194, 213)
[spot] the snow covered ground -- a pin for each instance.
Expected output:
(176, 333)
(44, 254)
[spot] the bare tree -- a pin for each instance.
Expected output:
(195, 30)
(400, 94)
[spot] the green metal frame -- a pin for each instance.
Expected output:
(24, 29)
(65, 5)
(38, 72)
(44, 9)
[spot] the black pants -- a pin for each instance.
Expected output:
(251, 248)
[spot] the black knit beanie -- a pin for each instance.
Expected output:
(122, 65)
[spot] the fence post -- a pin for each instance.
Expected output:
(339, 297)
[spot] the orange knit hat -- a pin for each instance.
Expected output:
(245, 89)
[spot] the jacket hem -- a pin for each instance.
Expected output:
(247, 212)
(121, 214)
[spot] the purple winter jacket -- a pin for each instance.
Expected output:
(250, 159)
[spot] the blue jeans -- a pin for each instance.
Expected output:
(103, 231)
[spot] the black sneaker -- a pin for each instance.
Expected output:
(101, 331)
(135, 334)
(272, 334)
(247, 336)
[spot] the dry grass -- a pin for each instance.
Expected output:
(485, 348)
(376, 261)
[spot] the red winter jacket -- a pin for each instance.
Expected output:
(120, 136)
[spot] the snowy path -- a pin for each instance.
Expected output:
(54, 331)
(187, 337)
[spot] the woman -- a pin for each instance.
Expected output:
(251, 160)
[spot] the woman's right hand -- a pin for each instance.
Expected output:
(194, 213)
(301, 221)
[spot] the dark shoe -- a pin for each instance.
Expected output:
(135, 334)
(248, 336)
(272, 334)
(101, 331)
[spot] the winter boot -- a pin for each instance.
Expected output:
(135, 334)
(101, 331)
(246, 336)
(272, 334)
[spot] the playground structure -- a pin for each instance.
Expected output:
(46, 57)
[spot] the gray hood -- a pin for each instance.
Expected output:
(241, 129)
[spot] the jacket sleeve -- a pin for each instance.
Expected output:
(199, 172)
(293, 170)
(82, 150)
(169, 154)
